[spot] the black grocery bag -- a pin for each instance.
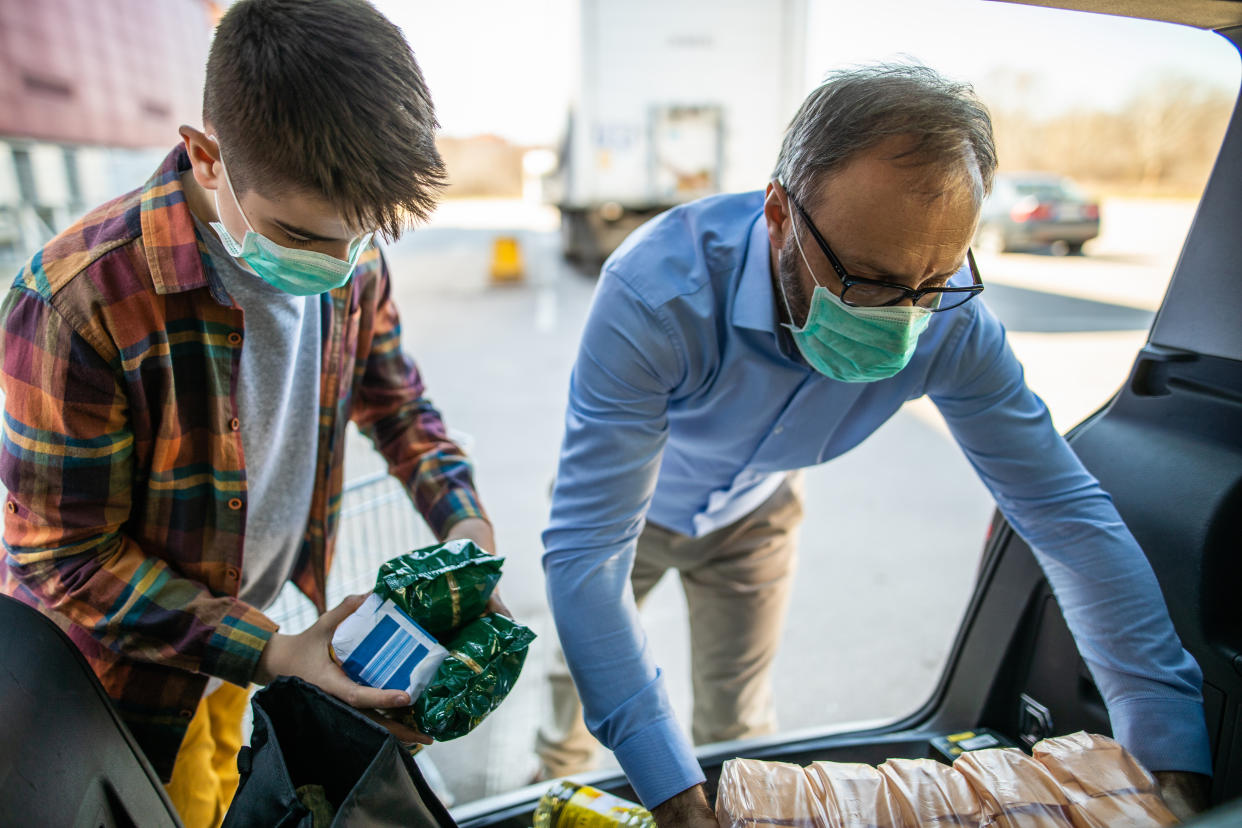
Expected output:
(304, 737)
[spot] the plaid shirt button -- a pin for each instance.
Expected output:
(235, 503)
(234, 338)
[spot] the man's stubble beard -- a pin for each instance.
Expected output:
(791, 281)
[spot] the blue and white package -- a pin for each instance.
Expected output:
(380, 646)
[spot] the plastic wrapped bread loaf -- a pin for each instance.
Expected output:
(1016, 791)
(1075, 781)
(752, 792)
(856, 795)
(930, 793)
(1105, 785)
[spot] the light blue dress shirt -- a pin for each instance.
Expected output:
(688, 404)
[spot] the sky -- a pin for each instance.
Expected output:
(502, 66)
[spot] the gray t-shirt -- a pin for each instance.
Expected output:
(278, 406)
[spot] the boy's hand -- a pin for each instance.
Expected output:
(480, 531)
(307, 655)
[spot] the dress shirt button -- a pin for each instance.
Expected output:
(778, 429)
(235, 338)
(235, 424)
(186, 714)
(235, 503)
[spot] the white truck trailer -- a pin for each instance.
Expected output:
(671, 100)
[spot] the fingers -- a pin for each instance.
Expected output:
(340, 612)
(361, 696)
(334, 682)
(371, 700)
(494, 604)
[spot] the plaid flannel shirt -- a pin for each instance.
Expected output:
(122, 454)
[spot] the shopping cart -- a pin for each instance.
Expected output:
(377, 522)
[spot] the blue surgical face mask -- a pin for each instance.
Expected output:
(852, 344)
(299, 272)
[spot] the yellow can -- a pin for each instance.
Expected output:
(570, 805)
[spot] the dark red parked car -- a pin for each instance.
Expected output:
(1029, 210)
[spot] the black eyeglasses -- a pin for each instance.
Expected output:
(874, 293)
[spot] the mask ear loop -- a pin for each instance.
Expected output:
(228, 182)
(794, 225)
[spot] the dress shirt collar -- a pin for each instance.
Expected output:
(754, 305)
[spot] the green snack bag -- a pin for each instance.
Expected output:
(483, 664)
(441, 587)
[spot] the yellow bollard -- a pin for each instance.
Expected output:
(506, 260)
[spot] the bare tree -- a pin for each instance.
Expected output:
(1164, 138)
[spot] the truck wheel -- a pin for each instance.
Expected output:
(578, 243)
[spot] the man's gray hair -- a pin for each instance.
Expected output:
(856, 109)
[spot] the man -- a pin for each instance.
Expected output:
(741, 337)
(179, 369)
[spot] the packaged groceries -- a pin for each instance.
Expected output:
(1016, 791)
(570, 805)
(857, 794)
(1079, 781)
(424, 630)
(443, 586)
(1106, 786)
(380, 646)
(752, 792)
(931, 793)
(484, 660)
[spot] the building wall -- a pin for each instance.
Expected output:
(91, 95)
(121, 73)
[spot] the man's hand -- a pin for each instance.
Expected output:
(480, 531)
(688, 808)
(307, 655)
(1185, 793)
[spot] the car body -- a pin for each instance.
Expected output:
(1027, 210)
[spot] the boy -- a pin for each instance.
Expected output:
(179, 368)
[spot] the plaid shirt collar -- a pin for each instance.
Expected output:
(171, 244)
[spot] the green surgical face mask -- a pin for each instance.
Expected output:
(299, 272)
(852, 344)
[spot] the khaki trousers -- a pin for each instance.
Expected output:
(737, 581)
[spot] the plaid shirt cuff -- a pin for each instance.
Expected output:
(235, 645)
(455, 506)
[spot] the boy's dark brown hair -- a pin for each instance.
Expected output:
(324, 96)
